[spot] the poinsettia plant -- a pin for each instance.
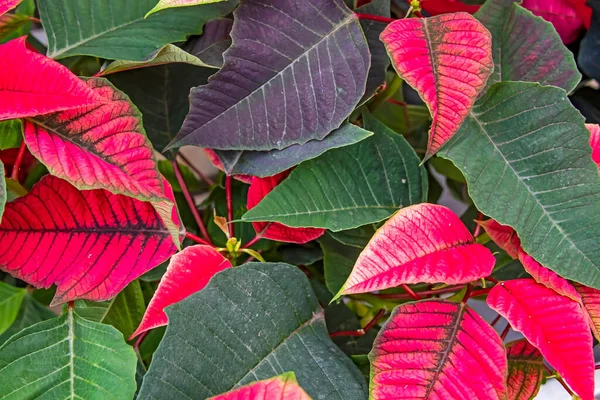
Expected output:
(384, 169)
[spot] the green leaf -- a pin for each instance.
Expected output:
(25, 9)
(525, 154)
(258, 320)
(124, 312)
(31, 312)
(67, 357)
(358, 237)
(10, 302)
(117, 30)
(526, 48)
(348, 187)
(11, 134)
(11, 23)
(300, 255)
(338, 261)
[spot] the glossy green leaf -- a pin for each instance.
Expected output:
(259, 320)
(348, 187)
(525, 154)
(338, 261)
(11, 134)
(31, 312)
(358, 237)
(67, 357)
(117, 30)
(10, 302)
(526, 48)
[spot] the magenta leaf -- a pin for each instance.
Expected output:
(437, 349)
(559, 13)
(525, 370)
(548, 278)
(90, 243)
(553, 323)
(6, 5)
(447, 59)
(595, 142)
(503, 235)
(282, 387)
(188, 272)
(422, 243)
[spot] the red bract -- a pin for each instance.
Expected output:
(91, 244)
(555, 324)
(214, 159)
(448, 60)
(525, 370)
(436, 7)
(560, 13)
(32, 84)
(259, 188)
(590, 299)
(503, 235)
(283, 387)
(188, 272)
(547, 277)
(595, 142)
(437, 350)
(6, 5)
(422, 243)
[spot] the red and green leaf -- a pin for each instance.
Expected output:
(32, 84)
(282, 387)
(91, 243)
(560, 13)
(448, 60)
(259, 188)
(595, 142)
(590, 300)
(503, 235)
(553, 323)
(424, 243)
(547, 277)
(525, 370)
(437, 349)
(164, 4)
(188, 272)
(7, 5)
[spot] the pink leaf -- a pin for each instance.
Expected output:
(188, 272)
(7, 5)
(555, 324)
(525, 370)
(590, 299)
(283, 387)
(503, 235)
(259, 188)
(560, 13)
(448, 60)
(437, 350)
(91, 243)
(32, 84)
(595, 142)
(437, 7)
(548, 278)
(422, 243)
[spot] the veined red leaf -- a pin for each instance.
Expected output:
(188, 272)
(32, 84)
(595, 142)
(448, 60)
(555, 324)
(91, 243)
(560, 13)
(437, 349)
(503, 235)
(6, 5)
(590, 299)
(259, 188)
(525, 370)
(437, 7)
(282, 387)
(548, 278)
(421, 243)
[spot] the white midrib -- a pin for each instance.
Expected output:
(71, 339)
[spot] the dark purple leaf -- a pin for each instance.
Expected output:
(212, 44)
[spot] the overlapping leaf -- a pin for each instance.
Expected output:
(117, 30)
(31, 84)
(268, 163)
(10, 302)
(554, 324)
(283, 387)
(348, 187)
(188, 272)
(294, 73)
(561, 14)
(261, 187)
(212, 44)
(10, 23)
(547, 277)
(447, 59)
(504, 236)
(590, 299)
(595, 142)
(262, 320)
(91, 244)
(164, 4)
(422, 243)
(6, 5)
(525, 370)
(437, 349)
(525, 145)
(30, 313)
(526, 48)
(67, 357)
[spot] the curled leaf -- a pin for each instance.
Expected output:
(503, 235)
(422, 243)
(448, 60)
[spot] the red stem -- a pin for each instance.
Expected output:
(230, 225)
(190, 201)
(598, 366)
(505, 331)
(36, 20)
(560, 380)
(377, 18)
(481, 292)
(196, 170)
(253, 241)
(489, 278)
(495, 321)
(139, 341)
(362, 331)
(402, 296)
(477, 226)
(468, 293)
(17, 166)
(410, 292)
(196, 239)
